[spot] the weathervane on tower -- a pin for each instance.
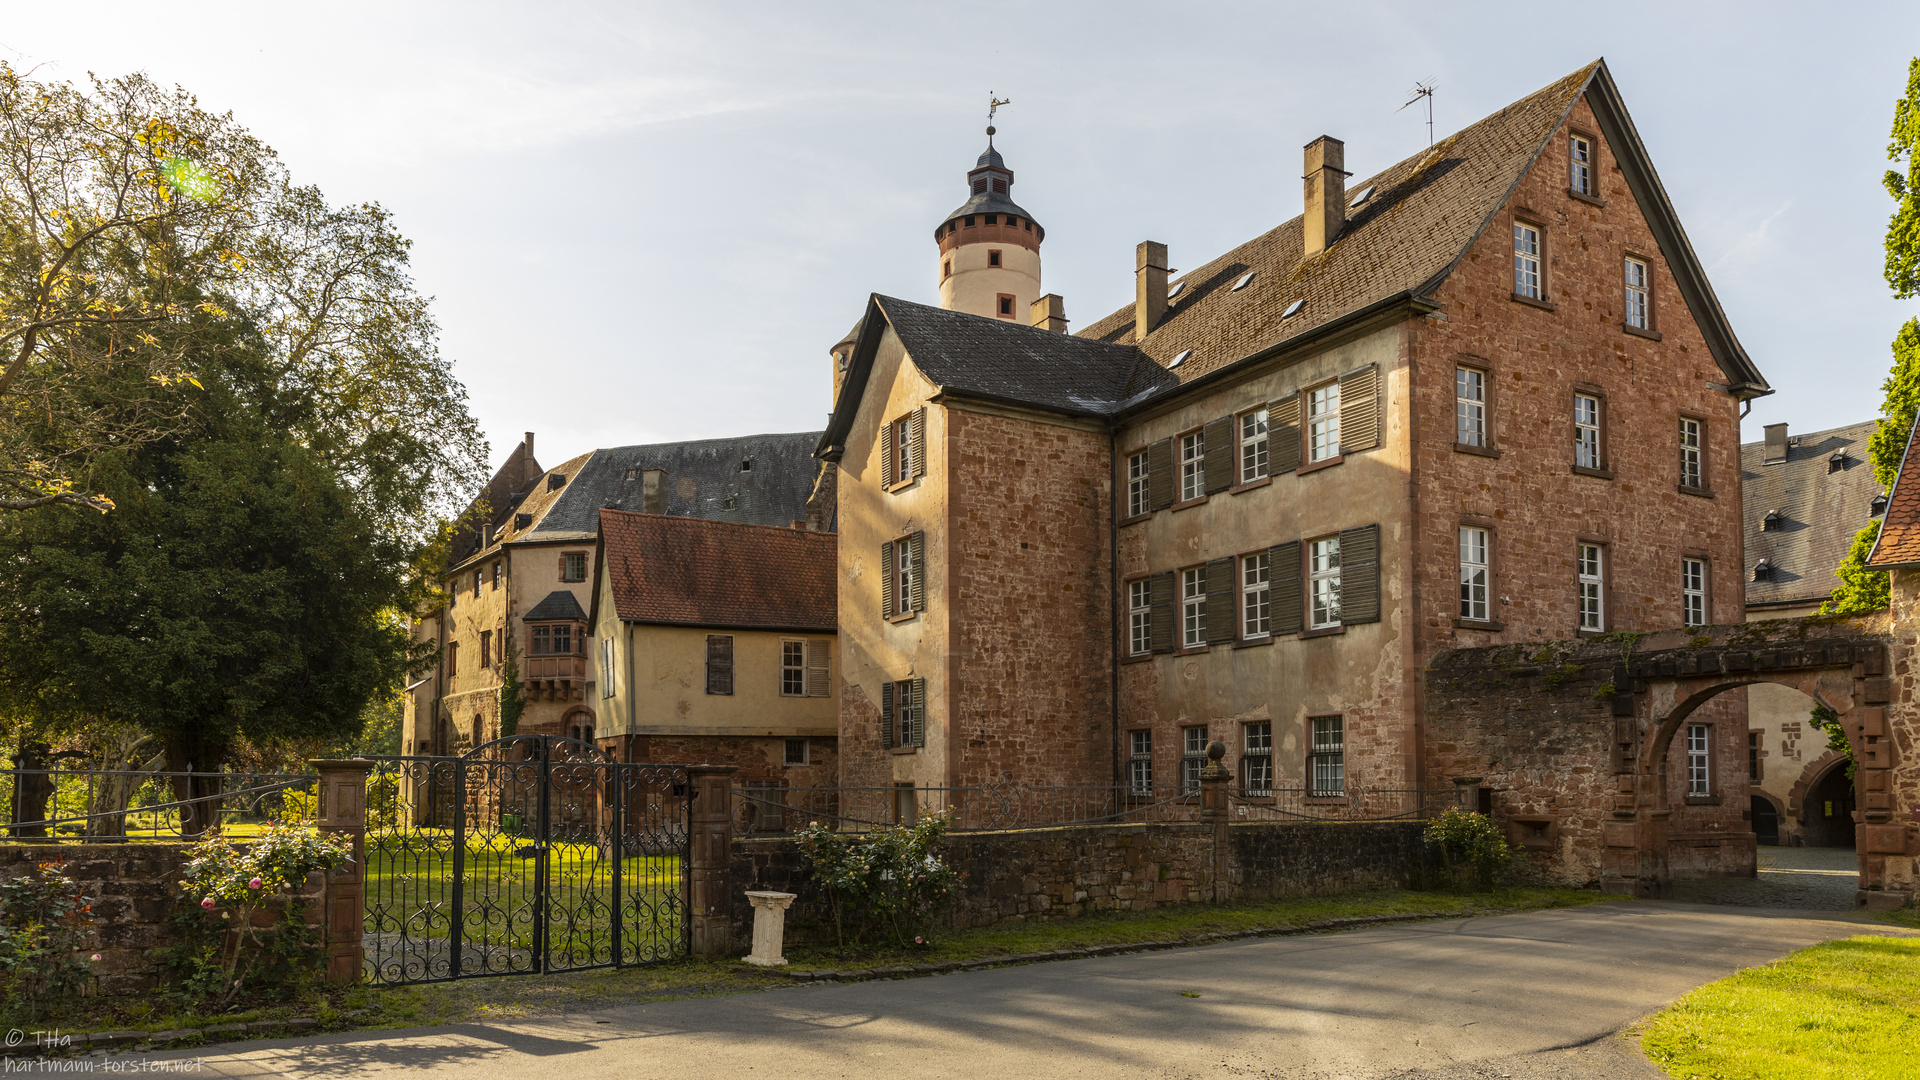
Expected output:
(993, 106)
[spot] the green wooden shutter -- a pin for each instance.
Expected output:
(1359, 414)
(1283, 575)
(719, 663)
(1160, 475)
(886, 455)
(1160, 592)
(919, 442)
(919, 712)
(1360, 574)
(917, 552)
(886, 715)
(1222, 610)
(886, 580)
(1218, 437)
(1283, 434)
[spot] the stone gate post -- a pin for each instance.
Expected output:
(709, 850)
(343, 811)
(1214, 779)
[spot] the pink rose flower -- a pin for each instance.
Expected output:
(254, 884)
(919, 940)
(207, 903)
(95, 958)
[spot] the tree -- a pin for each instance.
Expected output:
(1862, 589)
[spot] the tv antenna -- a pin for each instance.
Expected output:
(1423, 89)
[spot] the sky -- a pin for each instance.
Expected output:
(649, 222)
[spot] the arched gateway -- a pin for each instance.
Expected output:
(1587, 743)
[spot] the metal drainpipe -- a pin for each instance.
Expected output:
(631, 693)
(1113, 594)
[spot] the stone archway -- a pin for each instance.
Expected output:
(1810, 777)
(1763, 804)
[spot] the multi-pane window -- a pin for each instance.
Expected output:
(1139, 617)
(1693, 591)
(573, 567)
(606, 673)
(902, 451)
(902, 576)
(1526, 261)
(1193, 466)
(1256, 761)
(1580, 176)
(562, 640)
(793, 669)
(1323, 422)
(1586, 431)
(1253, 446)
(486, 648)
(909, 714)
(1470, 406)
(1636, 298)
(1474, 569)
(1323, 578)
(476, 584)
(1139, 495)
(1593, 587)
(1699, 759)
(453, 659)
(1193, 607)
(496, 575)
(1193, 758)
(1256, 618)
(556, 640)
(1690, 443)
(1326, 759)
(1140, 763)
(796, 752)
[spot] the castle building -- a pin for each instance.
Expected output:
(1484, 395)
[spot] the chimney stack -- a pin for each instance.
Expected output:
(1776, 452)
(529, 444)
(1149, 288)
(1326, 180)
(1048, 313)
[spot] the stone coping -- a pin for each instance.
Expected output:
(80, 1042)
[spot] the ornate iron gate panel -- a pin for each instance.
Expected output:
(530, 854)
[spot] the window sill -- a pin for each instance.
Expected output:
(1136, 519)
(1703, 493)
(1192, 650)
(1479, 451)
(1250, 485)
(1594, 200)
(1598, 474)
(1254, 643)
(1139, 659)
(1478, 624)
(1189, 504)
(1703, 800)
(1325, 631)
(1650, 335)
(906, 617)
(1324, 463)
(1530, 301)
(1325, 800)
(1591, 633)
(904, 750)
(901, 485)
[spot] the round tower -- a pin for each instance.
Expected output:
(990, 247)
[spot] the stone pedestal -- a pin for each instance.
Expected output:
(343, 811)
(769, 927)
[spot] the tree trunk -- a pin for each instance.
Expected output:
(111, 796)
(32, 789)
(200, 790)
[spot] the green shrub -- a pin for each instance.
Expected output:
(46, 923)
(889, 880)
(1472, 851)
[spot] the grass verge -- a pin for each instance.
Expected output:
(1839, 1009)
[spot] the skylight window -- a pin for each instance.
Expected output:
(1245, 281)
(1293, 309)
(1360, 197)
(1178, 288)
(1180, 359)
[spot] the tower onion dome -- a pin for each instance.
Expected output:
(990, 246)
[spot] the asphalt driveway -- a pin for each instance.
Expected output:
(1523, 996)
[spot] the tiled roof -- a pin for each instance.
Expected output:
(493, 502)
(1899, 543)
(535, 499)
(689, 572)
(559, 604)
(705, 479)
(1819, 511)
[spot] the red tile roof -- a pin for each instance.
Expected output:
(685, 571)
(1899, 542)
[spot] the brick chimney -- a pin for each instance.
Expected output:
(1048, 313)
(1776, 452)
(1326, 185)
(1149, 287)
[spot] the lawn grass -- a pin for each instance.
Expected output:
(1840, 1009)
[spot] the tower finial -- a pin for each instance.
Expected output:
(993, 106)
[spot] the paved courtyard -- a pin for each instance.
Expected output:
(1525, 996)
(1807, 878)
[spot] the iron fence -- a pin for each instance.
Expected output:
(56, 805)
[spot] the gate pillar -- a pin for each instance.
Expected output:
(343, 811)
(709, 850)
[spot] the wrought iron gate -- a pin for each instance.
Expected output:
(530, 854)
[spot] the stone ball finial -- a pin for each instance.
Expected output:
(990, 131)
(1216, 750)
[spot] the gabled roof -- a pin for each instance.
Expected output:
(1898, 545)
(535, 499)
(681, 571)
(1820, 510)
(559, 605)
(705, 479)
(489, 508)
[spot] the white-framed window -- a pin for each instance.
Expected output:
(793, 668)
(1253, 446)
(902, 450)
(1193, 758)
(1638, 313)
(1526, 261)
(1693, 591)
(1140, 763)
(1323, 580)
(1256, 760)
(476, 583)
(1323, 422)
(1699, 759)
(1193, 607)
(1470, 406)
(909, 713)
(496, 575)
(1193, 466)
(606, 672)
(1580, 174)
(1474, 573)
(1326, 761)
(1586, 431)
(1139, 494)
(902, 575)
(1139, 617)
(1256, 583)
(1592, 575)
(573, 568)
(1692, 434)
(796, 752)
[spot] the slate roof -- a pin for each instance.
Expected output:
(684, 571)
(559, 605)
(1899, 542)
(494, 502)
(1820, 512)
(704, 480)
(536, 499)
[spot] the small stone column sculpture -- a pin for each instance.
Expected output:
(769, 927)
